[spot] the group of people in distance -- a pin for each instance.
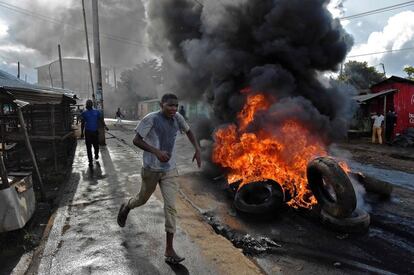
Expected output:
(378, 123)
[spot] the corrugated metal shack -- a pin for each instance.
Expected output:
(48, 122)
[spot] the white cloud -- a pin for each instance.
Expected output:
(3, 29)
(395, 35)
(14, 48)
(336, 8)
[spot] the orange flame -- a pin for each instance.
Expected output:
(344, 166)
(279, 154)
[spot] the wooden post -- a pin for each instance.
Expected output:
(385, 114)
(52, 121)
(61, 67)
(18, 69)
(3, 130)
(4, 179)
(3, 170)
(29, 147)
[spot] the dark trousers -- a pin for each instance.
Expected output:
(91, 139)
(389, 129)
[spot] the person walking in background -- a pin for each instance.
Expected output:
(156, 134)
(118, 116)
(376, 127)
(182, 112)
(89, 128)
(390, 122)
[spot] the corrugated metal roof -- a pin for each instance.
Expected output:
(11, 86)
(363, 98)
(394, 79)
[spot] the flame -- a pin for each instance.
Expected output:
(280, 154)
(254, 104)
(345, 166)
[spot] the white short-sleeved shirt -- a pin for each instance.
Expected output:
(377, 120)
(160, 132)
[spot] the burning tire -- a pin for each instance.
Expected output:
(331, 187)
(358, 221)
(259, 197)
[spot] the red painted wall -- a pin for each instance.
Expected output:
(402, 101)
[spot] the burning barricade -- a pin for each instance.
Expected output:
(286, 165)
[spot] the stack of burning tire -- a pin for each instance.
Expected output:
(336, 196)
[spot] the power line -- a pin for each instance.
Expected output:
(75, 28)
(373, 53)
(380, 10)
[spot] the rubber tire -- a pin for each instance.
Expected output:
(357, 223)
(326, 169)
(272, 202)
(373, 185)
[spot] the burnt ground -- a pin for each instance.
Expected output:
(17, 247)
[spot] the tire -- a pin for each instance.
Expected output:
(259, 197)
(373, 185)
(358, 222)
(332, 187)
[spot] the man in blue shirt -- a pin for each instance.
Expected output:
(89, 126)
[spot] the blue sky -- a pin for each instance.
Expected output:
(34, 42)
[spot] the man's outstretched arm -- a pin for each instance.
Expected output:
(197, 154)
(162, 156)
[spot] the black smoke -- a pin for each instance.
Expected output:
(279, 47)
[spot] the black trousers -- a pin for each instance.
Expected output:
(91, 139)
(389, 129)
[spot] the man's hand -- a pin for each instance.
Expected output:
(106, 128)
(197, 157)
(162, 156)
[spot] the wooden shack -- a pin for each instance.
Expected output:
(39, 115)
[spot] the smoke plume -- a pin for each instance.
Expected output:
(278, 47)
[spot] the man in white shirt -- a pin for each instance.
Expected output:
(156, 134)
(376, 127)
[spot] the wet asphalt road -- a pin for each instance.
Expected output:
(86, 239)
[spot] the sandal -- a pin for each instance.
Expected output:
(174, 259)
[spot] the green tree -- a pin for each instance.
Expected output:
(360, 75)
(409, 70)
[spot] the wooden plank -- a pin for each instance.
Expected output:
(29, 147)
(20, 137)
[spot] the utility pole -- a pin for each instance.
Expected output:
(18, 69)
(98, 71)
(87, 49)
(61, 67)
(114, 78)
(383, 68)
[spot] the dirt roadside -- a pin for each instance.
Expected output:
(382, 156)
